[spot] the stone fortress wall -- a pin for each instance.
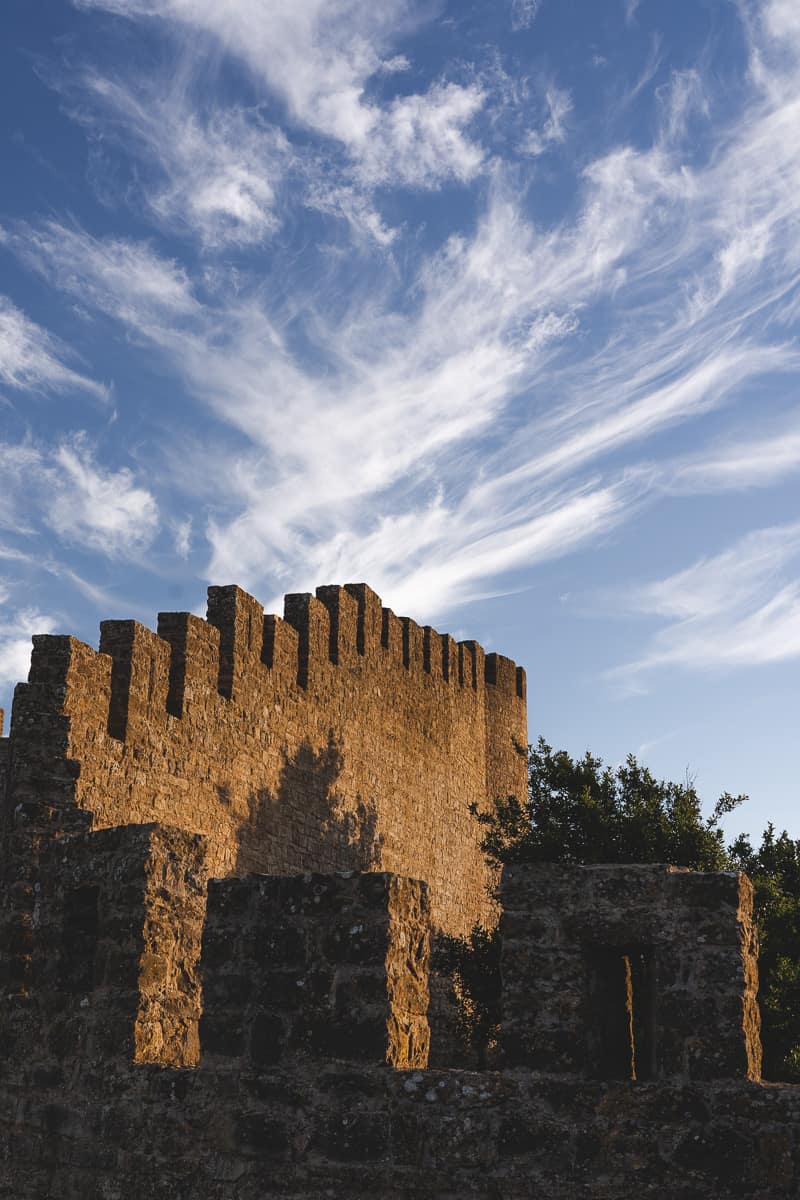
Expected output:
(314, 994)
(339, 737)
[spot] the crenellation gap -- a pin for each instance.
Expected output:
(427, 636)
(268, 642)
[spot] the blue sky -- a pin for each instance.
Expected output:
(492, 305)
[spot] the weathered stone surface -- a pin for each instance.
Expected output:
(116, 938)
(377, 1132)
(674, 951)
(315, 966)
(338, 738)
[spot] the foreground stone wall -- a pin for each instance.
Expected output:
(339, 737)
(306, 982)
(345, 1130)
(326, 966)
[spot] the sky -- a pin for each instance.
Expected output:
(492, 304)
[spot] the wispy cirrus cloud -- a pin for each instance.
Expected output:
(316, 57)
(524, 13)
(85, 504)
(16, 630)
(737, 463)
(737, 608)
(558, 104)
(483, 406)
(31, 359)
(98, 509)
(207, 170)
(129, 281)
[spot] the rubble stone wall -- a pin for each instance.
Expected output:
(339, 737)
(294, 1094)
(690, 946)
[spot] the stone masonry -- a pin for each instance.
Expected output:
(341, 737)
(648, 971)
(314, 995)
(232, 1004)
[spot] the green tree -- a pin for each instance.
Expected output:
(579, 811)
(775, 871)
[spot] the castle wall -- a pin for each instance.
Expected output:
(340, 737)
(347, 1132)
(291, 1096)
(4, 745)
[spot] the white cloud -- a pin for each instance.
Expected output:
(18, 464)
(737, 463)
(681, 99)
(524, 13)
(471, 409)
(781, 20)
(210, 171)
(554, 129)
(128, 281)
(97, 509)
(738, 608)
(183, 538)
(421, 141)
(31, 359)
(85, 504)
(353, 205)
(318, 56)
(398, 63)
(16, 631)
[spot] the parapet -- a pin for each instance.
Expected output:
(315, 966)
(630, 972)
(308, 967)
(314, 989)
(336, 737)
(641, 973)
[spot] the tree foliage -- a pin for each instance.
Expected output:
(580, 811)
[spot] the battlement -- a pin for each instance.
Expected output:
(243, 654)
(608, 972)
(630, 972)
(319, 966)
(336, 737)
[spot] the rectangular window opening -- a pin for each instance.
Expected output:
(621, 1012)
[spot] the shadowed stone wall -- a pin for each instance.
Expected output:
(320, 966)
(307, 980)
(646, 972)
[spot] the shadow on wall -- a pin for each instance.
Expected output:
(306, 825)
